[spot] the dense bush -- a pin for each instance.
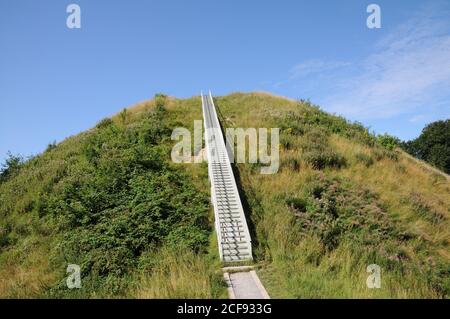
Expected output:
(388, 141)
(113, 197)
(310, 116)
(421, 208)
(287, 140)
(319, 159)
(380, 153)
(365, 159)
(160, 102)
(104, 123)
(123, 116)
(123, 200)
(339, 214)
(433, 145)
(333, 210)
(290, 163)
(318, 153)
(11, 166)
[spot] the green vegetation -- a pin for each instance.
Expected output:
(11, 167)
(433, 145)
(110, 200)
(342, 200)
(388, 141)
(317, 151)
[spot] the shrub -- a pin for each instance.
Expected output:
(388, 141)
(50, 146)
(123, 116)
(365, 159)
(11, 166)
(287, 141)
(382, 153)
(291, 163)
(104, 123)
(160, 102)
(105, 198)
(297, 204)
(335, 211)
(151, 131)
(4, 240)
(422, 209)
(319, 159)
(310, 116)
(318, 153)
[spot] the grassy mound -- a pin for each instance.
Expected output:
(340, 202)
(111, 201)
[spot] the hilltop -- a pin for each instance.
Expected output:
(110, 200)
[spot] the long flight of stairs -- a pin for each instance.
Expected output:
(231, 226)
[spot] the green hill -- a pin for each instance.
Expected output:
(111, 201)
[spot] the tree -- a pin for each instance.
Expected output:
(11, 166)
(160, 102)
(388, 141)
(433, 145)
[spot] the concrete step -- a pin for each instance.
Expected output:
(233, 229)
(235, 246)
(233, 241)
(232, 224)
(234, 232)
(228, 212)
(236, 258)
(234, 217)
(225, 219)
(233, 236)
(236, 251)
(227, 201)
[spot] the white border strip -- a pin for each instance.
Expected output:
(260, 286)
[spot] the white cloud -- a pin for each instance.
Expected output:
(418, 118)
(408, 73)
(313, 67)
(410, 68)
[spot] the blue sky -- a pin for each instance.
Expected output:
(56, 82)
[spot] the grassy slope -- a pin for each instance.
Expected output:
(110, 200)
(318, 229)
(338, 204)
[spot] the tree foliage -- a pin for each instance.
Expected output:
(433, 145)
(108, 197)
(11, 166)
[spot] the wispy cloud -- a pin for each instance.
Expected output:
(409, 70)
(411, 67)
(418, 118)
(315, 66)
(307, 75)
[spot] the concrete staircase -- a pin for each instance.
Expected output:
(231, 227)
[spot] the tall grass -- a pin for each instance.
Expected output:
(179, 275)
(381, 208)
(107, 200)
(339, 203)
